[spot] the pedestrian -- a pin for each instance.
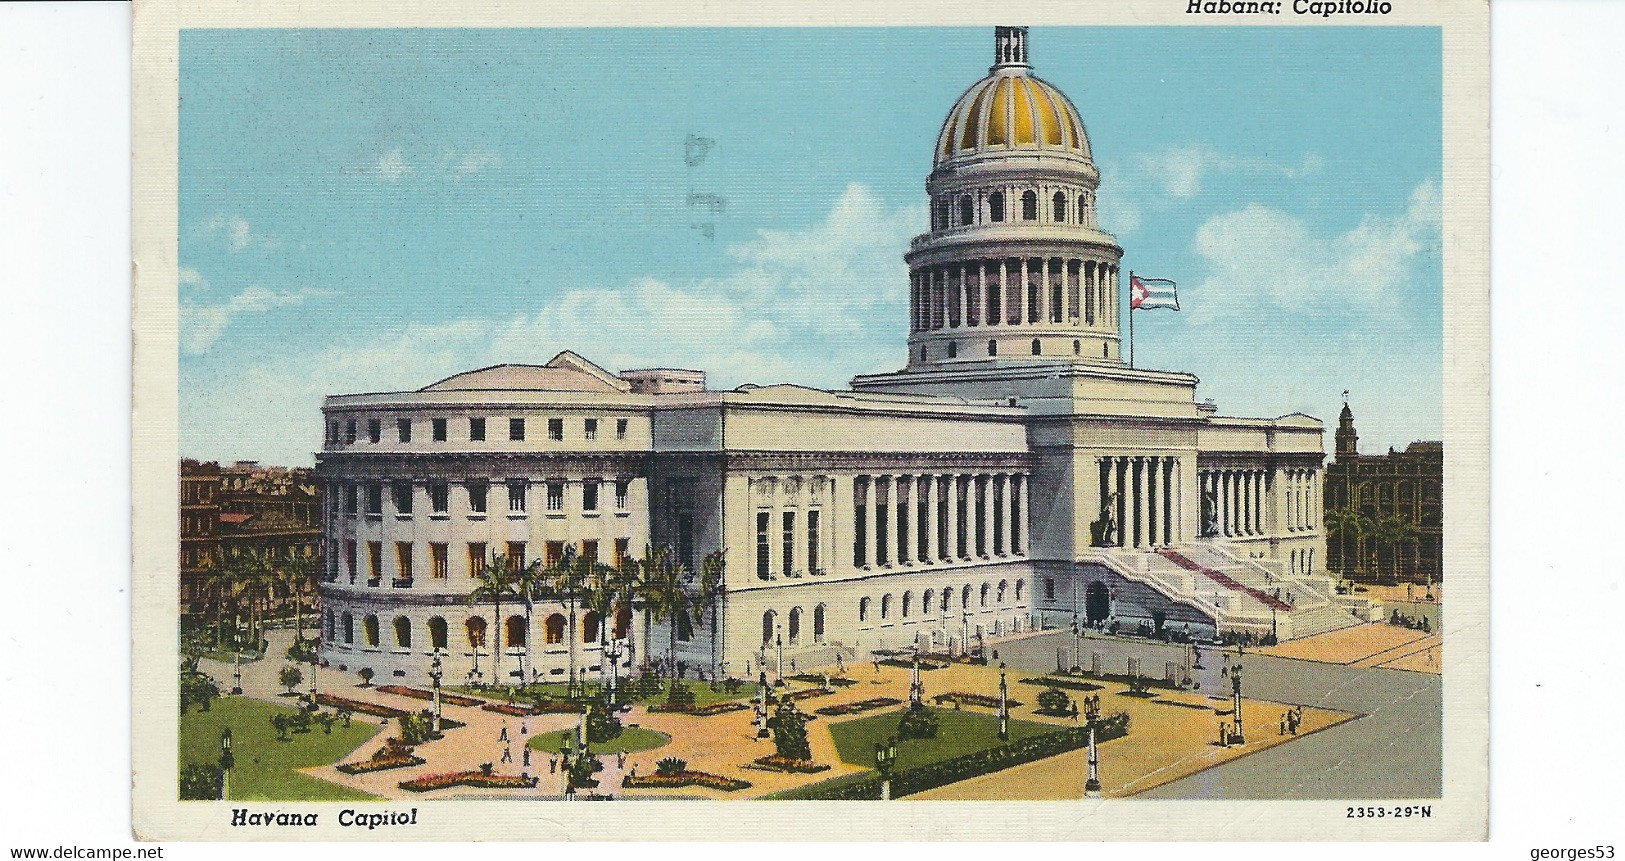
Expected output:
(1074, 712)
(877, 666)
(552, 765)
(620, 761)
(507, 754)
(503, 736)
(525, 751)
(1283, 725)
(523, 729)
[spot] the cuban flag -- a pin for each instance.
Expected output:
(1148, 293)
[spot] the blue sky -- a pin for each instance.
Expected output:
(366, 210)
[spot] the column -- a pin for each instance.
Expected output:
(992, 308)
(986, 484)
(871, 496)
(1045, 312)
(1247, 502)
(1152, 499)
(981, 294)
(1170, 509)
(1074, 301)
(1258, 502)
(924, 505)
(1018, 515)
(953, 516)
(1137, 491)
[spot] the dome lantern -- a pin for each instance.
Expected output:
(1009, 47)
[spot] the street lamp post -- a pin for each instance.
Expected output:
(314, 663)
(885, 758)
(435, 673)
(1077, 642)
(1091, 710)
(761, 706)
(778, 643)
(1004, 706)
(226, 763)
(566, 749)
(237, 675)
(612, 653)
(1235, 687)
(916, 690)
(964, 631)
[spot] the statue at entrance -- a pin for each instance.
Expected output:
(1103, 531)
(1210, 514)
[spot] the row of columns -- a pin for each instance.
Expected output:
(1237, 497)
(1142, 494)
(1302, 499)
(1013, 291)
(905, 520)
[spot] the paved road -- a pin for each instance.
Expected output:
(1394, 751)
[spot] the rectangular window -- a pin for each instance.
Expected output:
(375, 430)
(589, 496)
(555, 496)
(476, 496)
(439, 428)
(516, 430)
(516, 553)
(623, 549)
(552, 553)
(403, 563)
(620, 494)
(589, 550)
(403, 428)
(438, 561)
(403, 497)
(332, 432)
(620, 428)
(375, 498)
(812, 541)
(516, 495)
(375, 562)
(349, 431)
(476, 559)
(555, 429)
(476, 430)
(591, 429)
(439, 497)
(788, 551)
(349, 498)
(764, 559)
(1049, 588)
(349, 559)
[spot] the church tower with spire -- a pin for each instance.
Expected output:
(1347, 440)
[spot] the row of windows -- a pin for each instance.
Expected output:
(374, 430)
(966, 209)
(1037, 349)
(772, 633)
(404, 554)
(402, 496)
(516, 634)
(934, 602)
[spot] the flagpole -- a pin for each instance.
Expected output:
(1131, 318)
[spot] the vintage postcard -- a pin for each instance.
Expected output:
(1041, 422)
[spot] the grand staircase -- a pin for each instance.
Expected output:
(1243, 595)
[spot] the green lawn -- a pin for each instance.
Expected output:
(958, 733)
(265, 767)
(631, 740)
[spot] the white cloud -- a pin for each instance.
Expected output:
(1260, 254)
(475, 161)
(1180, 170)
(202, 325)
(392, 165)
(236, 231)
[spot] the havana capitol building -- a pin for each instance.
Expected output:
(1015, 474)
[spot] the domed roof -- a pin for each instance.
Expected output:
(1011, 110)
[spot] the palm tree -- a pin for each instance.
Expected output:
(1344, 524)
(1402, 533)
(299, 575)
(529, 581)
(220, 582)
(494, 582)
(711, 589)
(566, 581)
(667, 599)
(599, 594)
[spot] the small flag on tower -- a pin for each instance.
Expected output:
(1147, 293)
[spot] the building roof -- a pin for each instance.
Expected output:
(1011, 110)
(566, 372)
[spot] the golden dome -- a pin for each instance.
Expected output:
(1011, 110)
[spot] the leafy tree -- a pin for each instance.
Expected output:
(789, 728)
(196, 687)
(298, 574)
(366, 675)
(581, 773)
(917, 722)
(326, 719)
(279, 722)
(601, 725)
(1054, 701)
(671, 765)
(344, 713)
(289, 677)
(200, 782)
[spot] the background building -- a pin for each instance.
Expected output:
(1385, 513)
(245, 507)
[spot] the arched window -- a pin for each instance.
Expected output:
(995, 206)
(1059, 205)
(1036, 347)
(940, 214)
(437, 632)
(1077, 348)
(953, 349)
(1029, 206)
(1003, 586)
(369, 630)
(863, 609)
(885, 606)
(1018, 590)
(964, 598)
(795, 625)
(476, 632)
(349, 628)
(516, 631)
(908, 604)
(947, 595)
(623, 621)
(403, 632)
(967, 210)
(589, 626)
(926, 603)
(992, 348)
(767, 627)
(1083, 209)
(986, 589)
(818, 624)
(552, 630)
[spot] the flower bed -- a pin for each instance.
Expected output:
(698, 711)
(924, 664)
(790, 766)
(476, 779)
(1058, 682)
(677, 779)
(537, 708)
(393, 754)
(963, 698)
(859, 706)
(420, 694)
(359, 706)
(806, 694)
(837, 681)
